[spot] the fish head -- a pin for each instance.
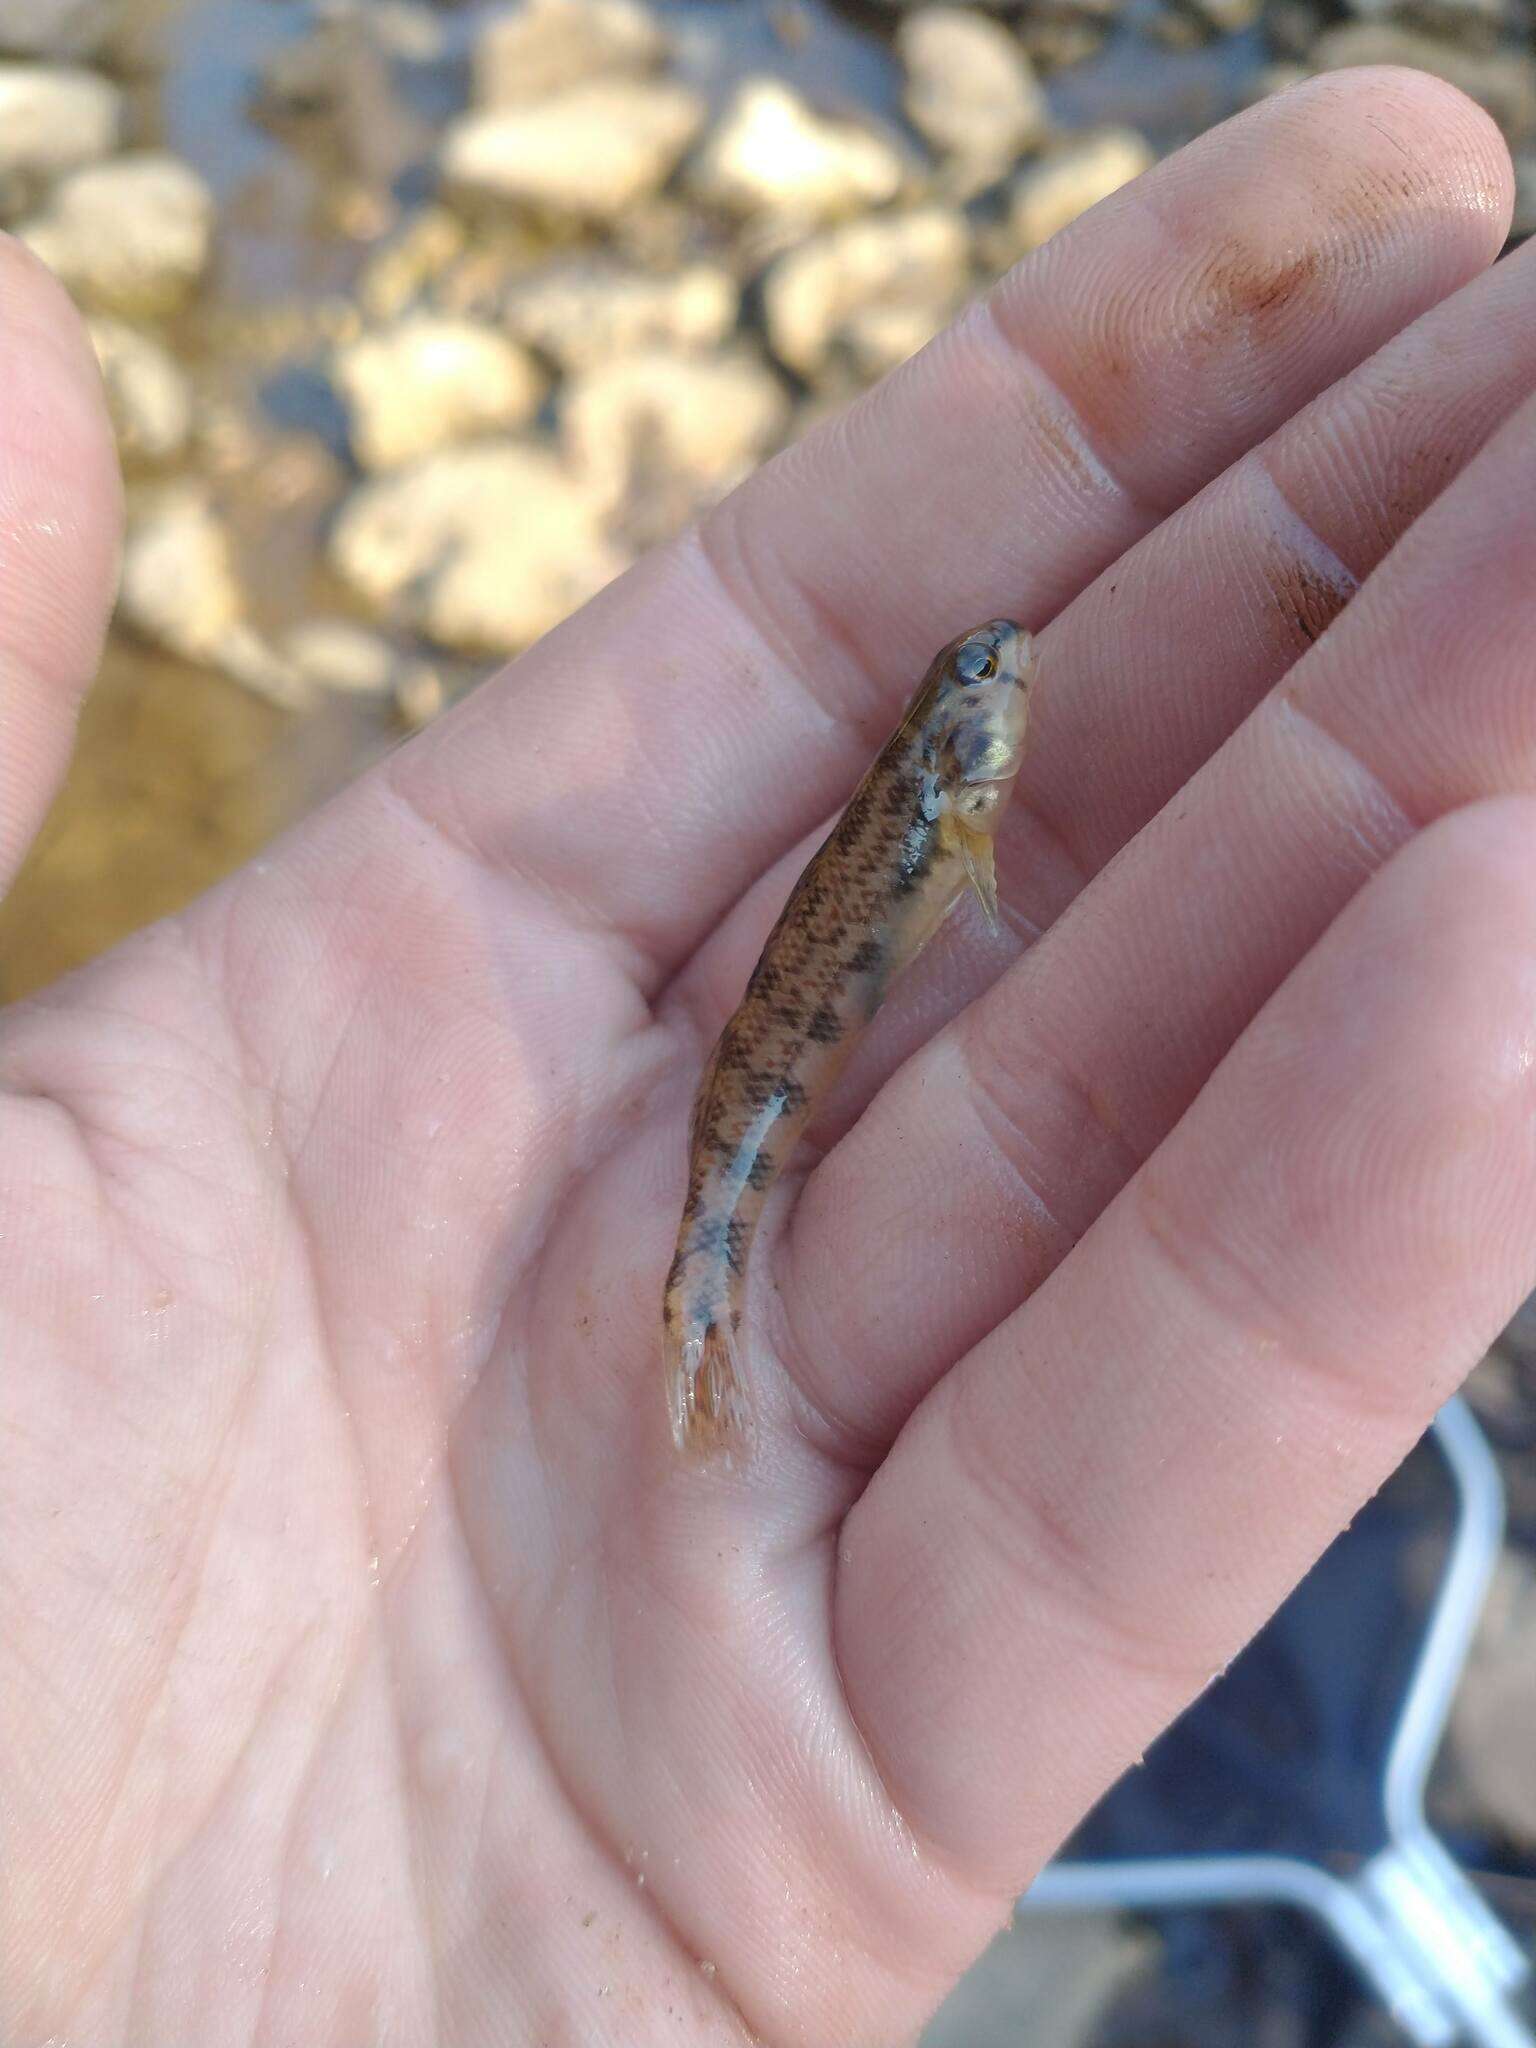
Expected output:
(980, 715)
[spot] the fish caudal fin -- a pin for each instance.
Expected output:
(706, 1393)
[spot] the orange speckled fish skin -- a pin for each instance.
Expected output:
(917, 832)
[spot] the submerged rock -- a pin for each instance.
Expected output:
(406, 267)
(1051, 194)
(53, 119)
(588, 153)
(482, 549)
(178, 580)
(772, 154)
(870, 293)
(346, 659)
(971, 91)
(543, 46)
(180, 591)
(704, 421)
(148, 393)
(131, 236)
(427, 381)
(589, 309)
(338, 654)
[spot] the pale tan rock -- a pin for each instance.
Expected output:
(587, 310)
(877, 288)
(772, 154)
(148, 393)
(418, 696)
(1049, 195)
(971, 92)
(406, 266)
(588, 153)
(179, 590)
(341, 656)
(428, 381)
(706, 419)
(249, 659)
(178, 585)
(544, 46)
(53, 119)
(877, 338)
(132, 235)
(481, 548)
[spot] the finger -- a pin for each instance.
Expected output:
(989, 1154)
(667, 745)
(1088, 1518)
(60, 512)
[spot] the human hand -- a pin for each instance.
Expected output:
(373, 1670)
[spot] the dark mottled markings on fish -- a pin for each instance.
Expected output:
(825, 1027)
(737, 1237)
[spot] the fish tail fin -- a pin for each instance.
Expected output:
(706, 1393)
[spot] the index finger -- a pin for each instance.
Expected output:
(715, 703)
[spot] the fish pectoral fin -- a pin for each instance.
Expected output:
(981, 870)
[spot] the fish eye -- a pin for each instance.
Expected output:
(976, 663)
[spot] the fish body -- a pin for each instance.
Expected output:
(917, 832)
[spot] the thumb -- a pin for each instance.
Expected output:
(60, 521)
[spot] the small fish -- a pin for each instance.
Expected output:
(916, 834)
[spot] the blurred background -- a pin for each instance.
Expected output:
(418, 321)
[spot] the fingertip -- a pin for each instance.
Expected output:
(1440, 138)
(61, 512)
(57, 446)
(1304, 232)
(1456, 906)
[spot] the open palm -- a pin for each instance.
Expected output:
(371, 1670)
